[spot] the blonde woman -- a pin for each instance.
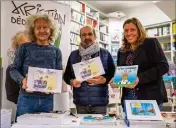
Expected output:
(19, 38)
(38, 53)
(138, 49)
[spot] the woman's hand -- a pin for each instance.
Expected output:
(135, 83)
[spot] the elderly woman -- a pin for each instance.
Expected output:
(19, 38)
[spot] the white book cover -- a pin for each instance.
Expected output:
(41, 119)
(85, 70)
(44, 80)
(142, 110)
(125, 75)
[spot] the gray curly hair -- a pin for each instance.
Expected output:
(30, 26)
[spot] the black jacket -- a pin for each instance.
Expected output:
(87, 94)
(152, 64)
(12, 88)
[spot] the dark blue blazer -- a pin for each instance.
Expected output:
(152, 63)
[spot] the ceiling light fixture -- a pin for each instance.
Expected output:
(155, 1)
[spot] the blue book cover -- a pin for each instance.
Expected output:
(142, 110)
(125, 75)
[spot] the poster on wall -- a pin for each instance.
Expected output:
(14, 15)
(115, 36)
(114, 51)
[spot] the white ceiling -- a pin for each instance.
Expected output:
(113, 6)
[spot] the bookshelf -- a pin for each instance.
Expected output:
(164, 32)
(174, 40)
(166, 35)
(83, 14)
(104, 36)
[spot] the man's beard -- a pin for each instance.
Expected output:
(88, 43)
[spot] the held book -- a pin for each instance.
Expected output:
(44, 80)
(85, 70)
(125, 75)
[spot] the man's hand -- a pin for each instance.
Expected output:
(75, 83)
(97, 80)
(136, 83)
(112, 84)
(24, 85)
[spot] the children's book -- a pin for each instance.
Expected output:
(85, 70)
(98, 119)
(44, 80)
(125, 75)
(142, 110)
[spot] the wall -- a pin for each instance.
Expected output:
(147, 13)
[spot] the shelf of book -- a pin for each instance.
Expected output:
(83, 14)
(164, 33)
(102, 23)
(77, 22)
(162, 36)
(103, 42)
(104, 33)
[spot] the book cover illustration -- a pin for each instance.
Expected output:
(44, 80)
(93, 119)
(125, 75)
(88, 69)
(142, 110)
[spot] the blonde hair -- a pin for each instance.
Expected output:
(30, 26)
(141, 31)
(17, 38)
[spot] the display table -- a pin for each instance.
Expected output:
(70, 121)
(71, 124)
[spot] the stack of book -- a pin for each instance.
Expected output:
(5, 116)
(143, 113)
(40, 119)
(170, 119)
